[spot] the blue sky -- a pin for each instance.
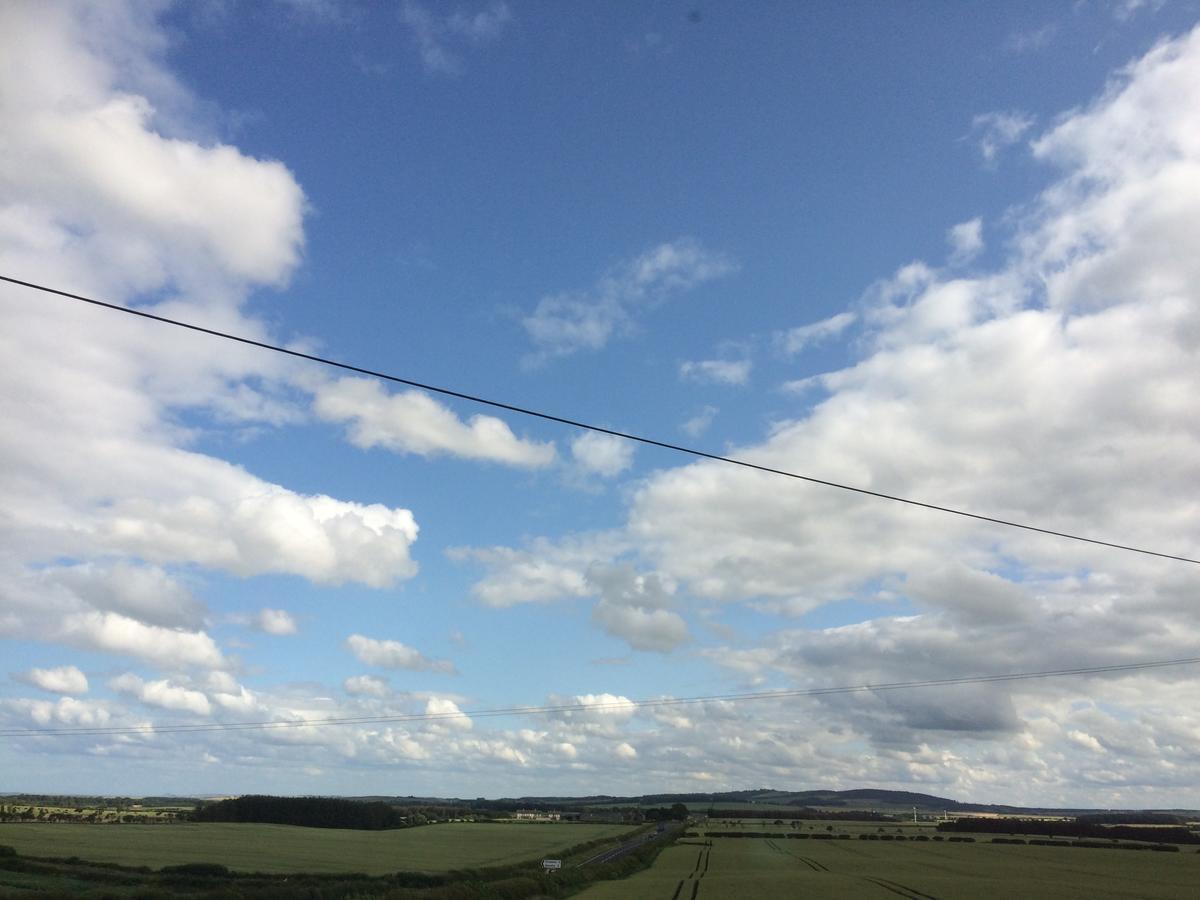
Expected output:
(943, 251)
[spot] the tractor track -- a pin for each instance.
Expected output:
(900, 889)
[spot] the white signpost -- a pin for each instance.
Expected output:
(551, 864)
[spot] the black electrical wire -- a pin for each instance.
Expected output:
(574, 423)
(612, 706)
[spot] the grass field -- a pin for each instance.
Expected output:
(286, 848)
(742, 868)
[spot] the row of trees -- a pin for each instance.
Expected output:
(312, 812)
(1075, 829)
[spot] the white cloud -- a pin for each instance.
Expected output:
(72, 128)
(1029, 393)
(699, 423)
(146, 593)
(542, 572)
(59, 680)
(275, 621)
(395, 655)
(436, 36)
(966, 240)
(634, 607)
(720, 371)
(597, 707)
(366, 685)
(625, 751)
(119, 634)
(413, 422)
(162, 693)
(995, 131)
(65, 711)
(562, 324)
(797, 339)
(602, 454)
(110, 184)
(258, 528)
(448, 713)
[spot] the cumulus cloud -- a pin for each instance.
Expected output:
(794, 340)
(634, 607)
(542, 572)
(602, 454)
(258, 528)
(1028, 392)
(394, 655)
(111, 185)
(719, 371)
(162, 693)
(65, 711)
(448, 714)
(562, 324)
(119, 634)
(275, 621)
(413, 422)
(59, 680)
(146, 593)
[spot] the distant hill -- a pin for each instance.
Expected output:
(867, 799)
(859, 799)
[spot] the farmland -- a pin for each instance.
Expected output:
(733, 869)
(285, 848)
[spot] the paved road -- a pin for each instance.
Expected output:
(615, 853)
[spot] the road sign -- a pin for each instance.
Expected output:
(549, 864)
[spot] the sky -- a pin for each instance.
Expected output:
(944, 251)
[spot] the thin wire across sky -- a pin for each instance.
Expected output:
(580, 707)
(585, 426)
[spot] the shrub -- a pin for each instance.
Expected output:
(208, 870)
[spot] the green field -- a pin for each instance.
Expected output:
(752, 867)
(286, 848)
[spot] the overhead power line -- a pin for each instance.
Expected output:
(575, 423)
(611, 706)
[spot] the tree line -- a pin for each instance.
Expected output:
(311, 812)
(1076, 829)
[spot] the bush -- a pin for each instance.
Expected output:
(6, 850)
(207, 870)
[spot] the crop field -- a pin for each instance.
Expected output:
(734, 869)
(287, 848)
